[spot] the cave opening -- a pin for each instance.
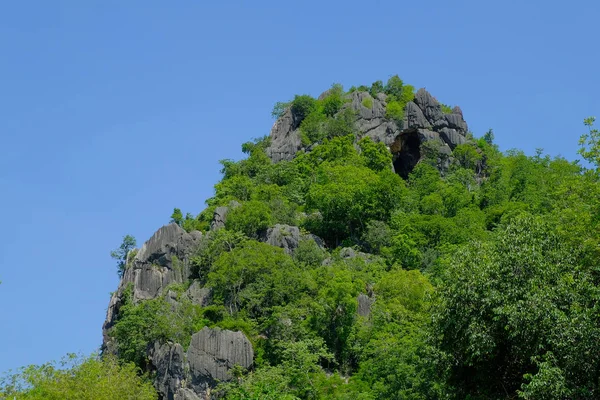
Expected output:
(409, 154)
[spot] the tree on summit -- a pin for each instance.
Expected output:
(120, 253)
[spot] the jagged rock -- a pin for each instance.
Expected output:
(198, 294)
(288, 237)
(213, 352)
(170, 366)
(162, 260)
(284, 236)
(364, 305)
(415, 117)
(451, 137)
(285, 138)
(424, 121)
(429, 105)
(186, 394)
(220, 215)
(349, 252)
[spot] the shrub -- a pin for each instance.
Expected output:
(334, 101)
(395, 111)
(251, 218)
(341, 125)
(367, 102)
(446, 109)
(311, 129)
(376, 87)
(302, 105)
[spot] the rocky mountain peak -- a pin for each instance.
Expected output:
(424, 121)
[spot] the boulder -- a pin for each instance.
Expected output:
(285, 236)
(213, 352)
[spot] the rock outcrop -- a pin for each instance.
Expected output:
(162, 260)
(288, 237)
(424, 121)
(190, 375)
(364, 305)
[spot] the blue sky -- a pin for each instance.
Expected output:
(112, 113)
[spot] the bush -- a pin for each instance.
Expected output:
(367, 102)
(311, 129)
(395, 111)
(334, 101)
(341, 125)
(251, 218)
(302, 105)
(446, 109)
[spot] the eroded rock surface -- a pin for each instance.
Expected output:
(190, 375)
(213, 352)
(288, 237)
(162, 260)
(424, 121)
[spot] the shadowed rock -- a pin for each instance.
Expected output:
(213, 352)
(424, 121)
(170, 365)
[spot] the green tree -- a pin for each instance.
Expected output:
(120, 253)
(589, 143)
(302, 106)
(91, 378)
(506, 305)
(251, 218)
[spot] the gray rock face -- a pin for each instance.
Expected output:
(191, 375)
(285, 138)
(213, 352)
(285, 236)
(424, 121)
(364, 305)
(198, 294)
(431, 108)
(187, 394)
(288, 237)
(415, 117)
(220, 215)
(162, 260)
(169, 361)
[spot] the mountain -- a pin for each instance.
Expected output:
(371, 248)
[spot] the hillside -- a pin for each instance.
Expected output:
(371, 248)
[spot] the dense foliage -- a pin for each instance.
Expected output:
(480, 282)
(483, 280)
(78, 378)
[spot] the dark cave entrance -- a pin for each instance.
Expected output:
(409, 154)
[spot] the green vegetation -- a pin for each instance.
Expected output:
(446, 109)
(398, 95)
(78, 378)
(481, 283)
(120, 253)
(367, 102)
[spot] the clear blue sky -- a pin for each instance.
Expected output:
(114, 112)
